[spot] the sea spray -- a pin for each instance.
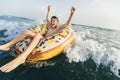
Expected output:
(99, 47)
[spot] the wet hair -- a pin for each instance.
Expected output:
(55, 17)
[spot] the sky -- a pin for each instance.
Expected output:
(101, 13)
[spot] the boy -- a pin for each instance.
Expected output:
(53, 28)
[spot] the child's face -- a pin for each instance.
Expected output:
(54, 21)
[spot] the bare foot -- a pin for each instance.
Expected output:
(4, 47)
(13, 64)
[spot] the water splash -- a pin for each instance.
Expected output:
(98, 44)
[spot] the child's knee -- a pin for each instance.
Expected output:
(28, 33)
(39, 35)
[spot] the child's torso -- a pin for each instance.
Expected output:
(51, 31)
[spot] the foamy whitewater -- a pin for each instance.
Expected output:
(99, 44)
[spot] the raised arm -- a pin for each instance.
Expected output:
(71, 15)
(69, 20)
(48, 15)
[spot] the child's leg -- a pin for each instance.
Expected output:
(21, 59)
(7, 46)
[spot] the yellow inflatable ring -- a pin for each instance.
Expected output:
(49, 47)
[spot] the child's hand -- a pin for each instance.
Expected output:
(72, 9)
(49, 7)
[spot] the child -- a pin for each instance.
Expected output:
(53, 28)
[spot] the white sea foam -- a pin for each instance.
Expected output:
(13, 28)
(98, 46)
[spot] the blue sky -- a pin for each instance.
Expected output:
(103, 13)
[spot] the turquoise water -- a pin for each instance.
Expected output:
(95, 54)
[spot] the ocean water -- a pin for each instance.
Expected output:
(94, 55)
